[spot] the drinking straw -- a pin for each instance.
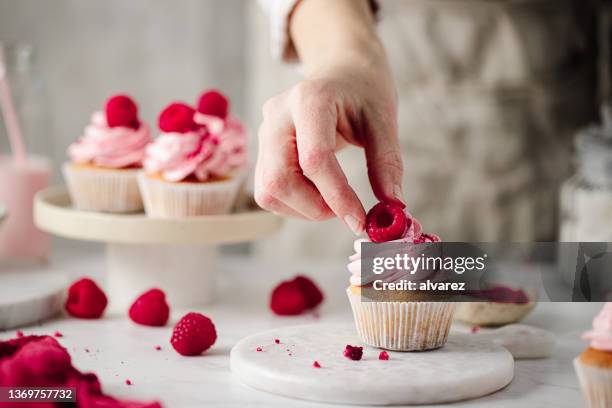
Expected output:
(8, 112)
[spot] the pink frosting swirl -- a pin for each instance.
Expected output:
(112, 147)
(216, 150)
(601, 334)
(413, 235)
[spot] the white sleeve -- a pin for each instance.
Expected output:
(279, 12)
(280, 42)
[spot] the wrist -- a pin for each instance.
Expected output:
(330, 33)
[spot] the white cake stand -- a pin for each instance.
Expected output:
(177, 255)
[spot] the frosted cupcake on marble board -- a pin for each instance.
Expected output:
(196, 165)
(406, 321)
(105, 161)
(594, 366)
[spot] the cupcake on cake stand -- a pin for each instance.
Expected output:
(188, 180)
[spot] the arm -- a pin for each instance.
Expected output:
(347, 97)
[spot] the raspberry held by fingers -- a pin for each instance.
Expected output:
(386, 222)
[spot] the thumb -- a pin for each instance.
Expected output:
(384, 162)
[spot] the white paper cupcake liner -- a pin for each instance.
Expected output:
(104, 190)
(402, 326)
(164, 199)
(596, 384)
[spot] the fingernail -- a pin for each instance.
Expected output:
(399, 193)
(353, 224)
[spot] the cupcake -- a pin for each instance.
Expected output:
(105, 161)
(406, 320)
(594, 366)
(195, 167)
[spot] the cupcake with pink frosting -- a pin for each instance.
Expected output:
(196, 165)
(594, 365)
(102, 174)
(401, 320)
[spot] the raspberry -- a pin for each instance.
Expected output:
(259, 349)
(214, 103)
(316, 364)
(58, 334)
(353, 352)
(150, 309)
(311, 291)
(383, 355)
(277, 341)
(288, 299)
(85, 299)
(158, 348)
(128, 382)
(122, 111)
(193, 334)
(386, 222)
(177, 117)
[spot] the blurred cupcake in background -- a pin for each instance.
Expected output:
(102, 174)
(594, 366)
(195, 166)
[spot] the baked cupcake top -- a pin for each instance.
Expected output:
(115, 138)
(204, 145)
(387, 222)
(601, 334)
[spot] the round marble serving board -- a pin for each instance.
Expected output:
(28, 297)
(466, 367)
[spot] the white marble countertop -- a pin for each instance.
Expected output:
(116, 349)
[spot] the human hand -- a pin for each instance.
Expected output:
(347, 98)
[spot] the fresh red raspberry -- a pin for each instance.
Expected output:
(214, 103)
(85, 299)
(58, 334)
(386, 222)
(121, 110)
(353, 352)
(288, 299)
(177, 117)
(316, 364)
(311, 291)
(383, 355)
(150, 309)
(193, 334)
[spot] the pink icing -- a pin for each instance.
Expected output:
(116, 147)
(216, 150)
(601, 334)
(413, 235)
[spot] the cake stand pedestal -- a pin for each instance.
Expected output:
(176, 255)
(466, 367)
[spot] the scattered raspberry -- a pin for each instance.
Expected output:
(295, 296)
(150, 309)
(475, 329)
(58, 334)
(383, 355)
(193, 334)
(177, 117)
(316, 364)
(128, 382)
(213, 103)
(311, 291)
(19, 334)
(85, 299)
(353, 352)
(157, 348)
(386, 222)
(277, 341)
(288, 299)
(258, 349)
(121, 110)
